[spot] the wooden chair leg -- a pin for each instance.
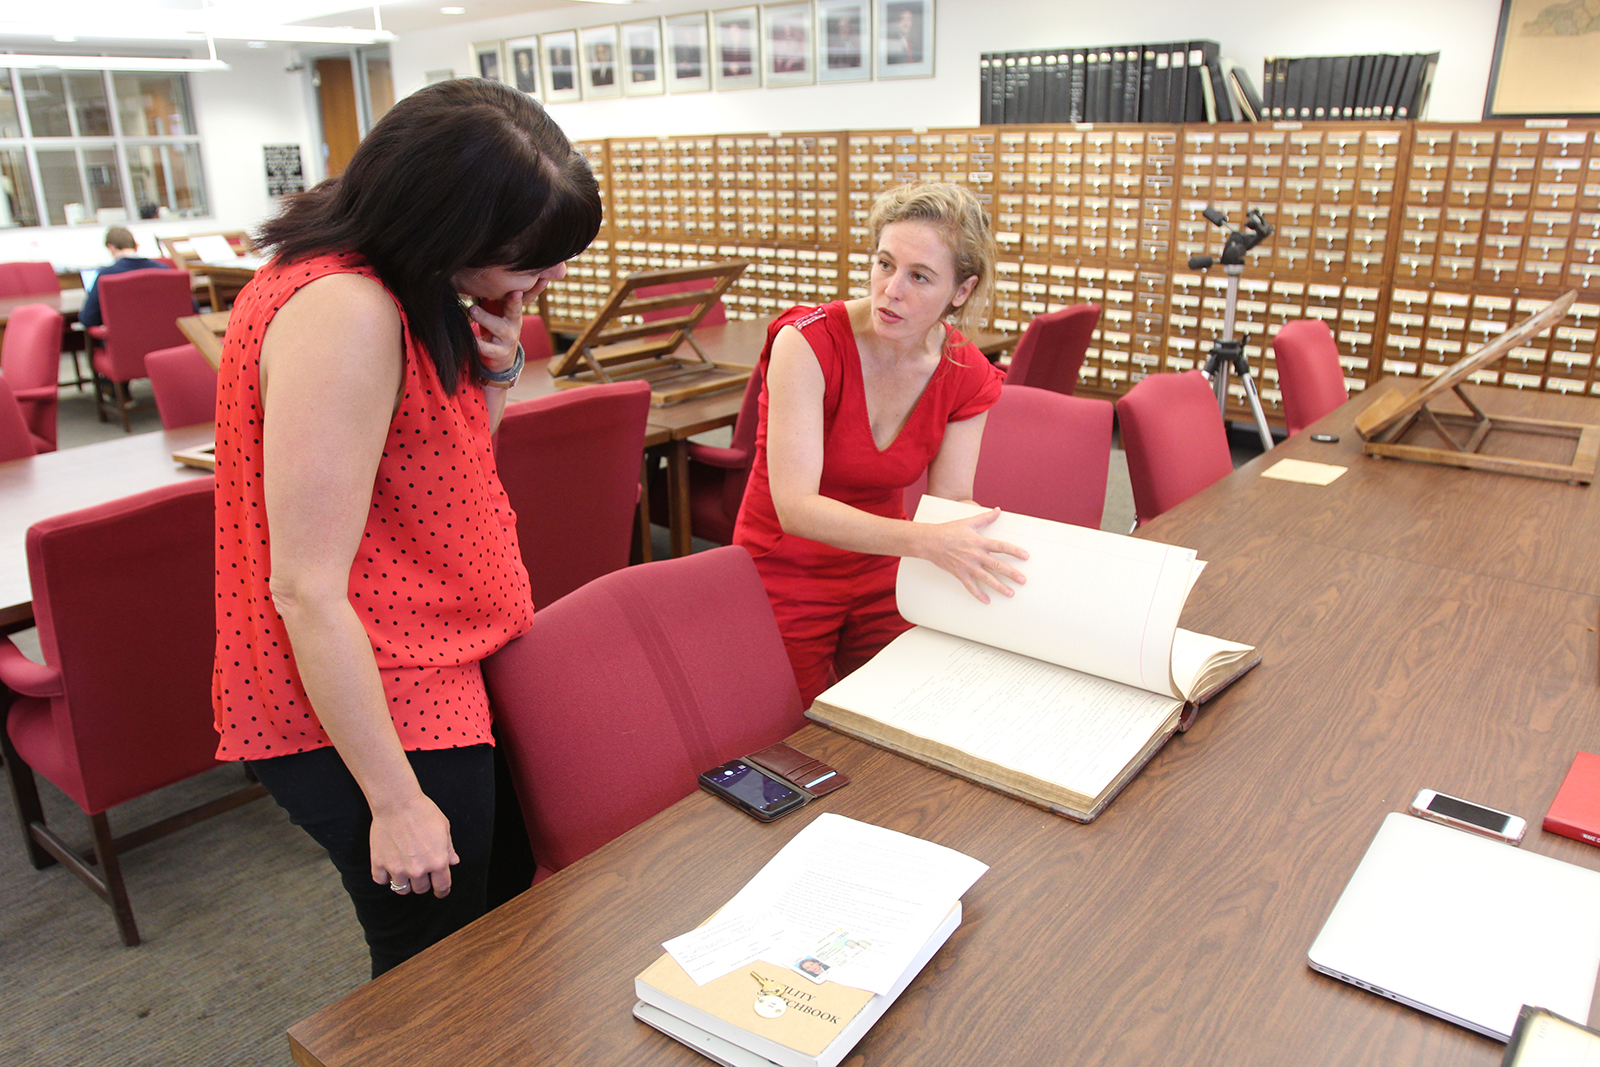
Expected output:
(25, 795)
(114, 890)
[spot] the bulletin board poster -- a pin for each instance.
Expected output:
(285, 174)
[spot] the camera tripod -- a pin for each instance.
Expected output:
(1228, 351)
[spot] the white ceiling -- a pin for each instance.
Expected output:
(152, 23)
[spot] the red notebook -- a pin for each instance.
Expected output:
(1575, 812)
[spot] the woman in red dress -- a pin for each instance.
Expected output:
(861, 397)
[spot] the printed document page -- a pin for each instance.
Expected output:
(1096, 602)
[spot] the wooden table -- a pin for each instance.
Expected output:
(1420, 627)
(53, 483)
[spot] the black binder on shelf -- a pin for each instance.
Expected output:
(1363, 95)
(1322, 98)
(1177, 81)
(1077, 86)
(1280, 86)
(1339, 76)
(1219, 91)
(1008, 110)
(1133, 83)
(1294, 70)
(1380, 86)
(985, 86)
(1100, 109)
(1247, 101)
(1200, 52)
(1417, 102)
(1147, 81)
(1055, 89)
(1034, 112)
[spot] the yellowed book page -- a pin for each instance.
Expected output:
(1050, 722)
(1197, 656)
(1304, 471)
(1096, 602)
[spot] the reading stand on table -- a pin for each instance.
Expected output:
(618, 345)
(1385, 424)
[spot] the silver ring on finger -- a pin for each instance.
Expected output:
(400, 887)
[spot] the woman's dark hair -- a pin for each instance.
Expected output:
(462, 174)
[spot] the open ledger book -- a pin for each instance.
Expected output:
(1057, 695)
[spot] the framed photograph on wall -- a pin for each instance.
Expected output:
(787, 57)
(641, 57)
(735, 58)
(1544, 64)
(688, 59)
(843, 30)
(522, 56)
(904, 39)
(487, 61)
(597, 49)
(560, 53)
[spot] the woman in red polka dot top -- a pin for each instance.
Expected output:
(366, 554)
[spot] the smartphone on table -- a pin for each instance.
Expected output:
(752, 790)
(1465, 815)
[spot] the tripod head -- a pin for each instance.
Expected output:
(1256, 229)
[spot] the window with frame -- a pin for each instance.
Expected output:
(97, 147)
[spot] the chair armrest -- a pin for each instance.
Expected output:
(43, 392)
(21, 674)
(97, 332)
(727, 458)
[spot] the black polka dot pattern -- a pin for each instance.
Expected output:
(438, 581)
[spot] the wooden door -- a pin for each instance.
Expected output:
(336, 98)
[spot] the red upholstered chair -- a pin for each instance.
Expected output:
(1310, 376)
(185, 385)
(1050, 456)
(1175, 440)
(15, 440)
(1051, 351)
(717, 476)
(1043, 454)
(535, 339)
(30, 358)
(124, 597)
(715, 317)
(140, 311)
(690, 673)
(570, 464)
(28, 278)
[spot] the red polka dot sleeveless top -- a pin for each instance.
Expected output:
(438, 580)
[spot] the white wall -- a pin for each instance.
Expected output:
(237, 112)
(1248, 30)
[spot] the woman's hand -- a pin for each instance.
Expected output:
(499, 325)
(411, 849)
(960, 548)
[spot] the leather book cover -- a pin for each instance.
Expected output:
(1575, 811)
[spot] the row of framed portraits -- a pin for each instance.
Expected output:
(797, 43)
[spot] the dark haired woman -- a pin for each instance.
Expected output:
(366, 555)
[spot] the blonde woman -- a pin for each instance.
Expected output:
(861, 397)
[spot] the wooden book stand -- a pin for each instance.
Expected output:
(1385, 424)
(619, 346)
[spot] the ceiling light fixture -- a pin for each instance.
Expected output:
(149, 63)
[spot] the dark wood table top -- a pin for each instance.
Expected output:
(1174, 928)
(53, 483)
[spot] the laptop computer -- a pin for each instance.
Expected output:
(1465, 928)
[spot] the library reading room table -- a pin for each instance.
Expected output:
(1420, 626)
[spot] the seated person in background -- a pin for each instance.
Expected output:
(861, 397)
(125, 257)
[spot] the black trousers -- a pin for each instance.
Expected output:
(322, 797)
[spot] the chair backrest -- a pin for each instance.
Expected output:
(625, 691)
(30, 358)
(141, 309)
(1175, 440)
(715, 317)
(15, 440)
(185, 385)
(1043, 454)
(26, 278)
(1052, 348)
(124, 596)
(1310, 376)
(535, 338)
(570, 464)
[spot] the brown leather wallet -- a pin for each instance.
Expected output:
(793, 766)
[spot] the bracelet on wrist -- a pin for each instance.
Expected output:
(502, 379)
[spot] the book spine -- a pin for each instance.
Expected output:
(984, 89)
(1077, 86)
(1132, 83)
(1567, 829)
(1178, 84)
(1008, 112)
